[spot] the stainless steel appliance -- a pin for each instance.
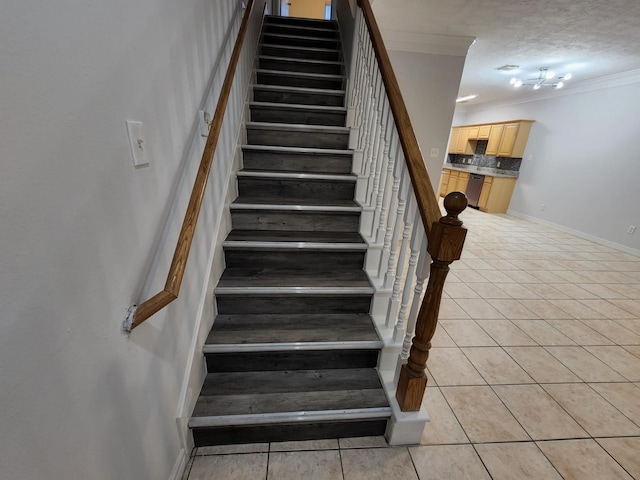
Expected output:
(474, 187)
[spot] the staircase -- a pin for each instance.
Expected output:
(293, 351)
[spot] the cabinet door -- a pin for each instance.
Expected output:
(483, 132)
(484, 194)
(473, 133)
(494, 139)
(453, 143)
(444, 182)
(508, 140)
(463, 181)
(463, 140)
(453, 182)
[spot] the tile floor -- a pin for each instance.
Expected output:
(534, 373)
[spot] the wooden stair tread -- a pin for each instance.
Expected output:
(242, 393)
(293, 236)
(295, 328)
(303, 202)
(283, 278)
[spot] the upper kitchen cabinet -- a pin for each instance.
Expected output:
(505, 139)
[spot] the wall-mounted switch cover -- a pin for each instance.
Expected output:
(204, 123)
(137, 143)
(434, 152)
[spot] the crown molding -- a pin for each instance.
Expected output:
(454, 45)
(608, 81)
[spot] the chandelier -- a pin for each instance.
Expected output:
(546, 78)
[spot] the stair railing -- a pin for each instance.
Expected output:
(401, 213)
(139, 313)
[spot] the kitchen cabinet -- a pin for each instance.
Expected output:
(504, 139)
(495, 195)
(494, 139)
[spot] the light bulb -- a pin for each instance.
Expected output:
(513, 80)
(567, 76)
(559, 85)
(536, 86)
(550, 74)
(517, 83)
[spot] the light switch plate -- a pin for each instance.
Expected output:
(137, 143)
(434, 152)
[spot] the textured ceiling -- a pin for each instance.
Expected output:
(590, 38)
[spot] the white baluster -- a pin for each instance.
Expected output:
(401, 182)
(381, 175)
(422, 272)
(387, 216)
(416, 241)
(394, 302)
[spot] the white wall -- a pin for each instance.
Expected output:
(79, 226)
(429, 85)
(581, 160)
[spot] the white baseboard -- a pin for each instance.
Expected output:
(577, 233)
(179, 465)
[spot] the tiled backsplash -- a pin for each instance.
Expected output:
(479, 159)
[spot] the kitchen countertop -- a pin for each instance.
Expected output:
(492, 172)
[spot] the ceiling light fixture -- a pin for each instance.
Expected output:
(466, 98)
(546, 78)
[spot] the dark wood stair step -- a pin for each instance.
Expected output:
(287, 135)
(296, 159)
(294, 51)
(300, 95)
(298, 114)
(264, 280)
(297, 185)
(311, 22)
(314, 31)
(293, 303)
(240, 238)
(306, 65)
(285, 78)
(261, 331)
(300, 41)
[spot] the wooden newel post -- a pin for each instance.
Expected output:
(446, 240)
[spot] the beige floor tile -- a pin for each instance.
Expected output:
(496, 366)
(597, 416)
(634, 349)
(547, 276)
(488, 290)
(576, 309)
(469, 276)
(310, 465)
(450, 309)
(478, 308)
(601, 291)
(377, 464)
(512, 309)
(459, 290)
(229, 467)
(621, 360)
(438, 462)
(541, 365)
(614, 331)
(505, 332)
(466, 333)
(624, 396)
(574, 278)
(631, 306)
(546, 291)
(632, 324)
(327, 444)
(521, 276)
(449, 366)
(482, 415)
(496, 276)
(477, 264)
(630, 290)
(585, 365)
(582, 459)
(580, 333)
(516, 461)
(607, 309)
(544, 309)
(543, 333)
(441, 338)
(501, 264)
(517, 291)
(625, 451)
(226, 449)
(573, 291)
(443, 427)
(538, 413)
(362, 442)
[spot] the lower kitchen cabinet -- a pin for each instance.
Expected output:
(494, 197)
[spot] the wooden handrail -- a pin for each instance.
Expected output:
(183, 246)
(425, 196)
